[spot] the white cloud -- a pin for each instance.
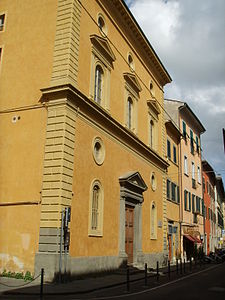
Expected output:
(188, 36)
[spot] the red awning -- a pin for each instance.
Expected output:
(198, 240)
(189, 237)
(192, 238)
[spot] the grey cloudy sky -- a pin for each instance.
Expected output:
(189, 38)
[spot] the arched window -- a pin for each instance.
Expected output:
(151, 134)
(98, 84)
(153, 221)
(96, 209)
(102, 25)
(129, 113)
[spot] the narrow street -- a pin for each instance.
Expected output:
(207, 284)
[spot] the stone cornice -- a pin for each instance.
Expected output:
(135, 32)
(69, 95)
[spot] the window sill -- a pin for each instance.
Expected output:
(176, 164)
(95, 234)
(172, 201)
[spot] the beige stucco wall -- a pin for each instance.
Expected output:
(187, 179)
(121, 47)
(26, 65)
(118, 161)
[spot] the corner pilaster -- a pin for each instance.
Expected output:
(66, 50)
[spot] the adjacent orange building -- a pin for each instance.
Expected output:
(209, 182)
(192, 204)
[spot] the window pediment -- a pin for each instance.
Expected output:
(102, 45)
(153, 105)
(132, 80)
(133, 179)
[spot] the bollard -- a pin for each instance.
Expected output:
(157, 270)
(128, 279)
(181, 266)
(168, 269)
(184, 265)
(190, 265)
(42, 283)
(146, 273)
(177, 266)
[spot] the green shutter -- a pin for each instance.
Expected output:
(178, 194)
(185, 200)
(184, 129)
(168, 149)
(189, 198)
(193, 203)
(168, 189)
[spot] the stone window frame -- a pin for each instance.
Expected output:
(130, 61)
(153, 119)
(99, 230)
(102, 29)
(98, 160)
(153, 184)
(130, 95)
(101, 55)
(153, 220)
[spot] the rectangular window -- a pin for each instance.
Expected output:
(203, 207)
(203, 181)
(184, 130)
(173, 191)
(178, 194)
(193, 203)
(2, 21)
(168, 189)
(185, 199)
(197, 144)
(197, 200)
(199, 175)
(191, 142)
(168, 149)
(193, 170)
(174, 154)
(185, 165)
(189, 200)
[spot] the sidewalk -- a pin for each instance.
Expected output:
(87, 285)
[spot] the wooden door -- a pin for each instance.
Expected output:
(129, 233)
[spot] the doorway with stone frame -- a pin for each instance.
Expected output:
(132, 187)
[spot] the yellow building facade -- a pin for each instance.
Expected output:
(82, 128)
(192, 204)
(173, 190)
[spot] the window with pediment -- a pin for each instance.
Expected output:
(153, 117)
(132, 91)
(102, 58)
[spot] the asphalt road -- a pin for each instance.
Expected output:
(205, 284)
